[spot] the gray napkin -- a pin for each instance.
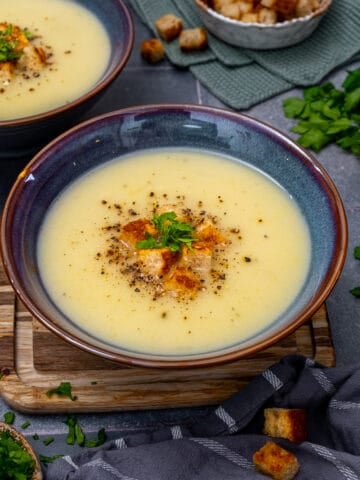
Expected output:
(243, 77)
(220, 446)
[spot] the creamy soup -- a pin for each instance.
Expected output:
(261, 269)
(80, 53)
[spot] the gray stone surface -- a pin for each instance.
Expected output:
(141, 83)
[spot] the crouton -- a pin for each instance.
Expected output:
(6, 70)
(275, 461)
(169, 26)
(193, 39)
(135, 231)
(182, 282)
(152, 50)
(244, 6)
(250, 17)
(286, 423)
(306, 7)
(267, 16)
(286, 7)
(268, 3)
(231, 11)
(217, 5)
(156, 262)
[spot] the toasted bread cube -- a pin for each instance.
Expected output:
(219, 4)
(244, 6)
(169, 26)
(193, 39)
(275, 461)
(306, 7)
(231, 11)
(286, 7)
(267, 16)
(250, 17)
(182, 282)
(268, 3)
(152, 50)
(6, 71)
(133, 232)
(286, 423)
(156, 262)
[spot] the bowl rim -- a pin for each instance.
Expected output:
(89, 94)
(200, 360)
(264, 26)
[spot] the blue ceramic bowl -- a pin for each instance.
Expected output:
(26, 135)
(99, 140)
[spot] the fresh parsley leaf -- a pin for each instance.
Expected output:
(170, 233)
(25, 425)
(356, 291)
(71, 422)
(326, 115)
(77, 435)
(64, 390)
(48, 440)
(293, 107)
(101, 438)
(9, 417)
(45, 460)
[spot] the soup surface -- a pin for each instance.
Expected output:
(260, 270)
(80, 52)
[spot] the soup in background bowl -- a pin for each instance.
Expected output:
(267, 239)
(63, 55)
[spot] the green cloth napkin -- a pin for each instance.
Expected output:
(242, 77)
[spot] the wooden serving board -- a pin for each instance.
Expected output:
(33, 360)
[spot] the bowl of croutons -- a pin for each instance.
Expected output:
(262, 24)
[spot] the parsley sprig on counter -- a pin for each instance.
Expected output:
(356, 290)
(328, 115)
(171, 233)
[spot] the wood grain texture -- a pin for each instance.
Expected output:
(33, 360)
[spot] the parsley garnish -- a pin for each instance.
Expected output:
(170, 233)
(76, 434)
(45, 460)
(9, 417)
(64, 390)
(15, 462)
(328, 115)
(8, 46)
(356, 290)
(48, 440)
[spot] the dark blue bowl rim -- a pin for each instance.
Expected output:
(312, 306)
(101, 85)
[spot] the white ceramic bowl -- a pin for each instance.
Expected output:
(260, 36)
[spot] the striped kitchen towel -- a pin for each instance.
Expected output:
(220, 446)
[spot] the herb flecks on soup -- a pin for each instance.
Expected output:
(177, 254)
(22, 53)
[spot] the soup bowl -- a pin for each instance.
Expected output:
(96, 142)
(26, 134)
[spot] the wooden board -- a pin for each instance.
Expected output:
(33, 360)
